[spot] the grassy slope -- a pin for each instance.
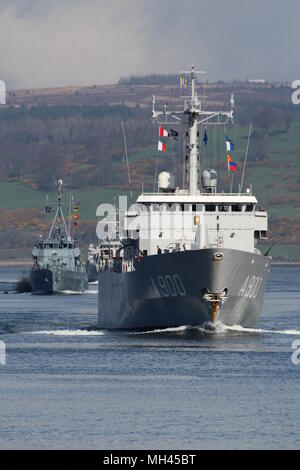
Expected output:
(270, 178)
(15, 196)
(89, 200)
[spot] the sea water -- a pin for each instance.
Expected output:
(67, 385)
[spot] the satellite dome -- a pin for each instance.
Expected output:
(166, 182)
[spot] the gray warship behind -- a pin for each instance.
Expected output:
(189, 255)
(97, 256)
(57, 264)
(92, 263)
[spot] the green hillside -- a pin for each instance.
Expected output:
(15, 196)
(78, 137)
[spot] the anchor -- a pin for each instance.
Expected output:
(215, 299)
(215, 311)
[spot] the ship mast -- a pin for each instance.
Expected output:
(59, 214)
(196, 117)
(193, 109)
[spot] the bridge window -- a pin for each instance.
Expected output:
(224, 208)
(197, 208)
(249, 207)
(258, 234)
(210, 208)
(185, 207)
(263, 235)
(237, 208)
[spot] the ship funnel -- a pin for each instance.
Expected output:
(209, 180)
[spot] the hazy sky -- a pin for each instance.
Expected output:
(70, 42)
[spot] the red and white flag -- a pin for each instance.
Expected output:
(161, 146)
(163, 132)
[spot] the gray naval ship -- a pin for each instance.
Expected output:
(57, 264)
(92, 263)
(188, 255)
(97, 256)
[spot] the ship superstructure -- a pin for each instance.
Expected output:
(57, 267)
(189, 255)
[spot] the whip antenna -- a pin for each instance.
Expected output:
(246, 156)
(127, 161)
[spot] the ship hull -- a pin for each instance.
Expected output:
(168, 290)
(48, 282)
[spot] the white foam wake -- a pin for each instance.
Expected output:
(71, 292)
(177, 329)
(94, 292)
(69, 333)
(218, 328)
(257, 330)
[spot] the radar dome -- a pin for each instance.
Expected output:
(166, 182)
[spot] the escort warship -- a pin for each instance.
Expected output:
(187, 256)
(97, 256)
(92, 263)
(57, 264)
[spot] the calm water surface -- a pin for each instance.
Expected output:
(66, 385)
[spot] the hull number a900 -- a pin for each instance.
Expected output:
(168, 286)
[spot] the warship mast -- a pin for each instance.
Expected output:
(193, 109)
(196, 116)
(59, 215)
